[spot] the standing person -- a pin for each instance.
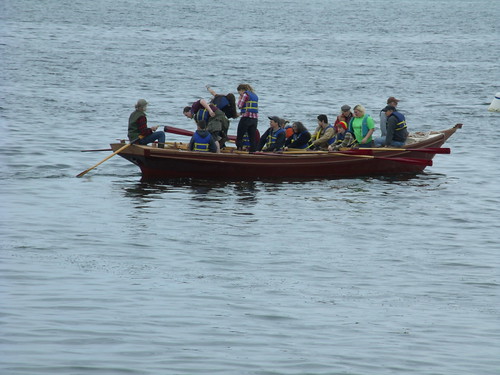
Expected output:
(300, 137)
(138, 127)
(383, 118)
(248, 103)
(362, 126)
(345, 115)
(323, 133)
(396, 129)
(274, 137)
(202, 140)
(215, 119)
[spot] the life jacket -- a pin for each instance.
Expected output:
(245, 141)
(401, 120)
(220, 101)
(364, 125)
(201, 143)
(321, 132)
(201, 115)
(295, 136)
(271, 138)
(252, 104)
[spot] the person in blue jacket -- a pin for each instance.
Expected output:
(202, 140)
(397, 131)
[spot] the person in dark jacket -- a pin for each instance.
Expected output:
(300, 137)
(397, 131)
(138, 127)
(274, 137)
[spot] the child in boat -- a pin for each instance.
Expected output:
(202, 140)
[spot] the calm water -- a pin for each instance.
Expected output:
(108, 275)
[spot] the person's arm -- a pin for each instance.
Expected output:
(242, 100)
(391, 127)
(142, 125)
(205, 105)
(263, 140)
(210, 90)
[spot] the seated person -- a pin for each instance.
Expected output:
(324, 132)
(300, 137)
(343, 138)
(202, 140)
(274, 137)
(138, 130)
(396, 131)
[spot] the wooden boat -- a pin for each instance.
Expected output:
(174, 161)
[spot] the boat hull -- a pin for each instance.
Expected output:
(160, 164)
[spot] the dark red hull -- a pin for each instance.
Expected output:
(157, 164)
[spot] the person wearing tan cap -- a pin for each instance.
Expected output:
(138, 127)
(383, 118)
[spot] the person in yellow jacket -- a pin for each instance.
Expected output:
(323, 133)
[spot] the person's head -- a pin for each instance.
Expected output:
(322, 120)
(298, 127)
(202, 125)
(345, 109)
(282, 122)
(389, 109)
(392, 101)
(242, 87)
(141, 105)
(187, 112)
(359, 111)
(341, 127)
(274, 122)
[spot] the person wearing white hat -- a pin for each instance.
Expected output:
(138, 127)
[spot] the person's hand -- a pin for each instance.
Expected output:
(211, 113)
(154, 128)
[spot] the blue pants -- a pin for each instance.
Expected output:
(156, 136)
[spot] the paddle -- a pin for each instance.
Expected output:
(429, 150)
(343, 153)
(106, 158)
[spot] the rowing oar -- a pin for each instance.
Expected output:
(106, 158)
(429, 150)
(100, 149)
(337, 153)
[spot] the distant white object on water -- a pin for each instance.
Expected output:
(495, 104)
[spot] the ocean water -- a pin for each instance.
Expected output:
(106, 274)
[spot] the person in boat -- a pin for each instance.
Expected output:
(202, 140)
(345, 115)
(362, 126)
(215, 119)
(285, 124)
(248, 103)
(383, 118)
(300, 137)
(397, 131)
(323, 133)
(138, 130)
(274, 137)
(227, 104)
(343, 138)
